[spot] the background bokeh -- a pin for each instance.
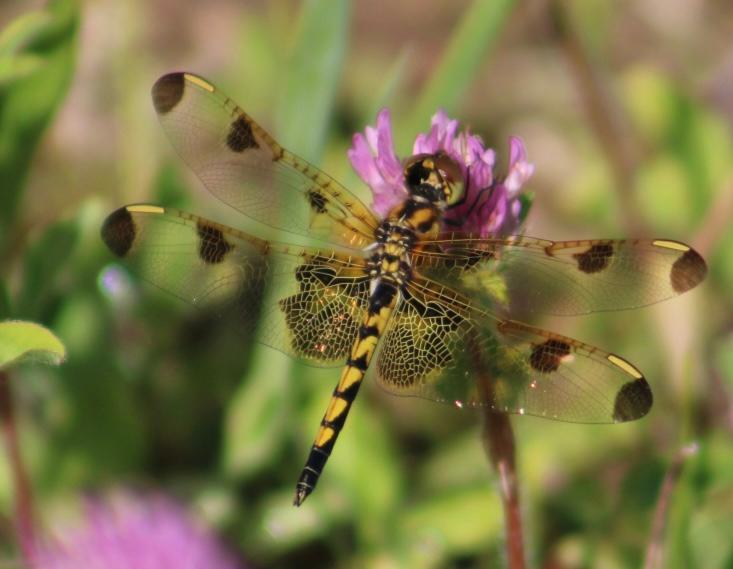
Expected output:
(626, 109)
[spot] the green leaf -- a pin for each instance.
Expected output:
(44, 261)
(685, 500)
(391, 82)
(22, 31)
(365, 465)
(169, 189)
(457, 522)
(710, 530)
(26, 341)
(690, 151)
(312, 76)
(471, 43)
(526, 199)
(15, 68)
(37, 55)
(257, 416)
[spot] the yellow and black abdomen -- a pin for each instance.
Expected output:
(389, 269)
(382, 302)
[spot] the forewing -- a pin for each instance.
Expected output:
(245, 168)
(564, 277)
(440, 347)
(305, 302)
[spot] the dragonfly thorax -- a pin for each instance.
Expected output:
(390, 260)
(430, 181)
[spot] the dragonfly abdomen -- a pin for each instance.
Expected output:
(382, 302)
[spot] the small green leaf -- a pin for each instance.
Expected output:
(526, 199)
(27, 341)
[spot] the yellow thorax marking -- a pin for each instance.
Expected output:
(390, 267)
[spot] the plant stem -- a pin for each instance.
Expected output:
(655, 548)
(23, 506)
(603, 113)
(498, 440)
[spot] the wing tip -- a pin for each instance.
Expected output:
(119, 231)
(167, 92)
(688, 271)
(633, 401)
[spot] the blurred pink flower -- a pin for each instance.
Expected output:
(492, 205)
(140, 532)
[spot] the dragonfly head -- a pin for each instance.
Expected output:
(435, 177)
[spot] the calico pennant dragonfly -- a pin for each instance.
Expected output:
(420, 303)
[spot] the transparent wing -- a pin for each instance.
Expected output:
(305, 302)
(245, 168)
(440, 347)
(564, 277)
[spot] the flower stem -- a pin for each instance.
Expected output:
(498, 439)
(24, 525)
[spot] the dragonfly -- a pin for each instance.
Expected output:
(429, 313)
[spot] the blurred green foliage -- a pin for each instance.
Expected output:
(36, 65)
(153, 394)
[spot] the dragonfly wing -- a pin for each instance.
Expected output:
(245, 168)
(305, 302)
(440, 347)
(565, 277)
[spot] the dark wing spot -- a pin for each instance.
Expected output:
(241, 137)
(688, 271)
(168, 91)
(595, 259)
(118, 232)
(317, 201)
(634, 400)
(547, 357)
(213, 247)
